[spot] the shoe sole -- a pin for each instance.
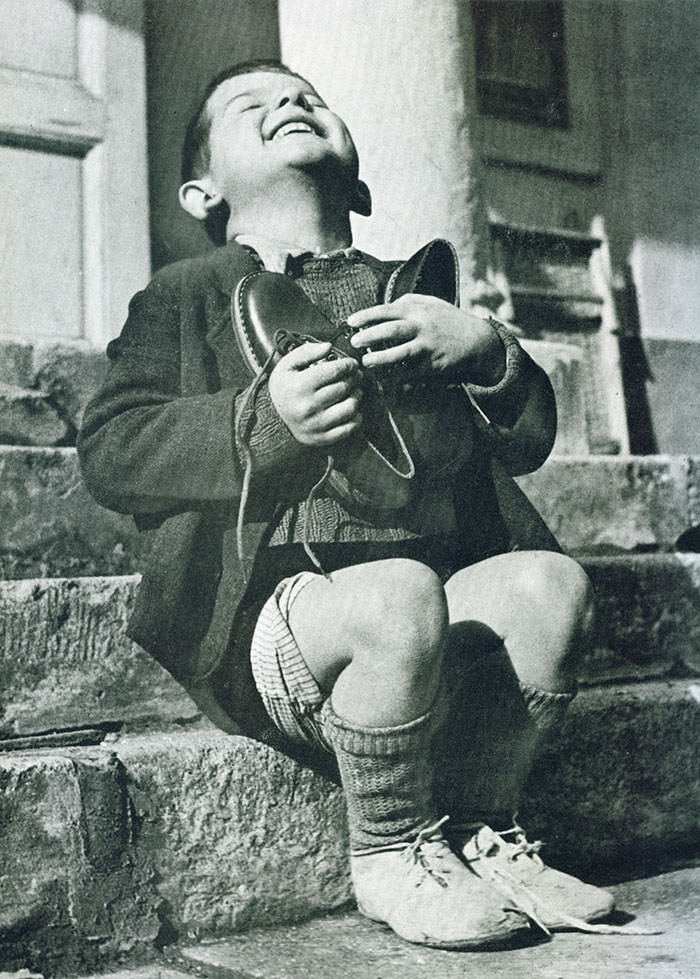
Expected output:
(589, 919)
(500, 940)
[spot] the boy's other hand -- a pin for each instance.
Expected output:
(317, 399)
(426, 334)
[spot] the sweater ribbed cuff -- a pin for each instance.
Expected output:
(270, 443)
(502, 402)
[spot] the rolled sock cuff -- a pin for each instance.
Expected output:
(380, 742)
(546, 708)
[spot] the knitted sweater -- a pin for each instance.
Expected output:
(339, 285)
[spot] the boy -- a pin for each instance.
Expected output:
(429, 656)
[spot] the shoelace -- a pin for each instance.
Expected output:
(523, 896)
(428, 847)
(242, 441)
(521, 846)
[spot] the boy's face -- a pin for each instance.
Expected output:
(265, 122)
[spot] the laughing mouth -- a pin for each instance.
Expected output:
(297, 126)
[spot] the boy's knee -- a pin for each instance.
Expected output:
(566, 594)
(560, 585)
(405, 621)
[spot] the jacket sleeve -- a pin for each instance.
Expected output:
(516, 417)
(145, 448)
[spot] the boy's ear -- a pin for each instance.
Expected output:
(361, 201)
(199, 199)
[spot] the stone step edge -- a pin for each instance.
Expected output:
(598, 504)
(65, 659)
(205, 834)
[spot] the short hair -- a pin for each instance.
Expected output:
(195, 148)
(196, 154)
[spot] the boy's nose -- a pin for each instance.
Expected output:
(294, 95)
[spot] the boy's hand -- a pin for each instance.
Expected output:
(428, 334)
(317, 399)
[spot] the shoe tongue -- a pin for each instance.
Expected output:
(481, 843)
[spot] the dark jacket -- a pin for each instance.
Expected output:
(158, 442)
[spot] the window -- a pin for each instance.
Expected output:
(520, 63)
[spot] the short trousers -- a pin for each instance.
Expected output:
(289, 691)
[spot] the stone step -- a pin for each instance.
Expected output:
(50, 527)
(29, 417)
(65, 660)
(49, 524)
(156, 837)
(345, 945)
(348, 946)
(67, 373)
(608, 503)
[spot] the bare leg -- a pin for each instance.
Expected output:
(374, 638)
(519, 623)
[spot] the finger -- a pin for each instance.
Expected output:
(333, 394)
(305, 355)
(331, 371)
(345, 415)
(384, 357)
(373, 314)
(389, 332)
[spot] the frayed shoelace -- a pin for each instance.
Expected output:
(421, 854)
(523, 896)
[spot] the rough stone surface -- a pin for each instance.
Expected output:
(648, 621)
(28, 417)
(236, 833)
(202, 834)
(65, 660)
(16, 364)
(617, 502)
(70, 375)
(620, 785)
(49, 524)
(694, 491)
(563, 362)
(70, 893)
(347, 946)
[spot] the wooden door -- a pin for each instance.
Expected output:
(74, 230)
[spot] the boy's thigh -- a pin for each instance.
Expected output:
(510, 589)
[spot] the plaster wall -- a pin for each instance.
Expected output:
(399, 73)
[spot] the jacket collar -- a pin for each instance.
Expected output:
(229, 263)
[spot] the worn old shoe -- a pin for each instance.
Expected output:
(552, 899)
(426, 894)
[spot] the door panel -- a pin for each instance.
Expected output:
(74, 238)
(41, 203)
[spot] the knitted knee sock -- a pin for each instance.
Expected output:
(387, 778)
